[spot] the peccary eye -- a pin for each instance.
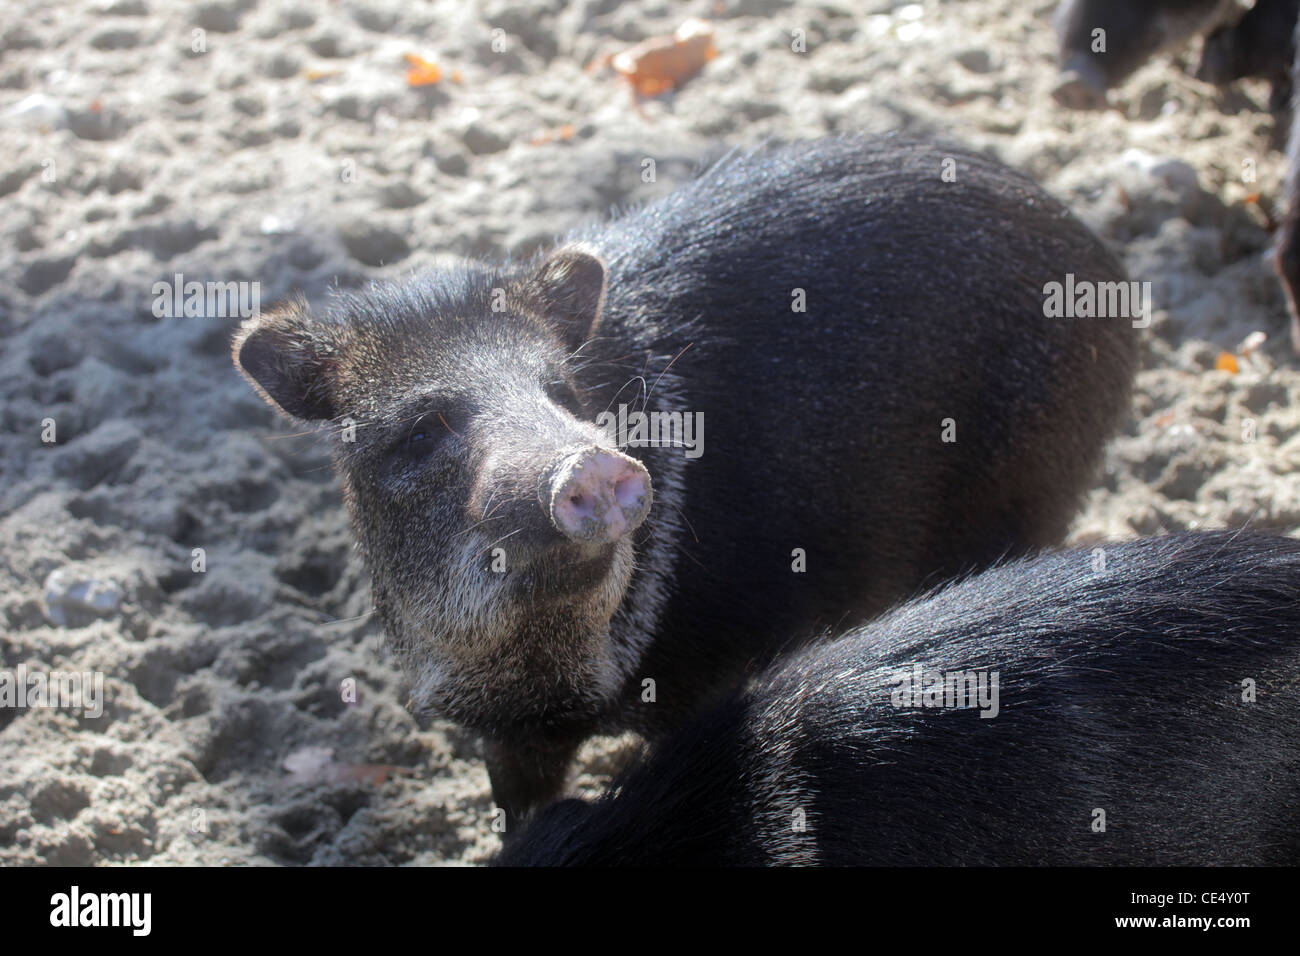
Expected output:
(423, 437)
(417, 445)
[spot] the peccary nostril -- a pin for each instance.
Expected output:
(598, 495)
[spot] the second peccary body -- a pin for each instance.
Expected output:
(886, 404)
(1286, 244)
(1260, 44)
(1101, 42)
(1146, 713)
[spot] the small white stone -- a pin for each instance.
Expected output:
(272, 225)
(908, 32)
(71, 597)
(38, 110)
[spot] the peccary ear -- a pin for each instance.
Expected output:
(569, 289)
(289, 359)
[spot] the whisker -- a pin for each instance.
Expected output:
(666, 368)
(502, 538)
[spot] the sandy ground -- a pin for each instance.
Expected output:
(290, 152)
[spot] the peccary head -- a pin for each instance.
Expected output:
(1221, 58)
(494, 516)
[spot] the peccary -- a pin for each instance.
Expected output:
(1144, 711)
(861, 323)
(1260, 44)
(1286, 244)
(1102, 42)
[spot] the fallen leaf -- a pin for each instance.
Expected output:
(662, 64)
(1265, 209)
(422, 72)
(316, 765)
(559, 133)
(1227, 362)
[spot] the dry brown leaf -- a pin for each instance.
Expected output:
(422, 72)
(662, 64)
(1227, 362)
(559, 133)
(316, 765)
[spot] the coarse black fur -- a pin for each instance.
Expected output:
(1123, 688)
(824, 430)
(1260, 44)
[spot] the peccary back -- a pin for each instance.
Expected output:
(1148, 713)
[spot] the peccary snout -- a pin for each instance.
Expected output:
(597, 495)
(1081, 85)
